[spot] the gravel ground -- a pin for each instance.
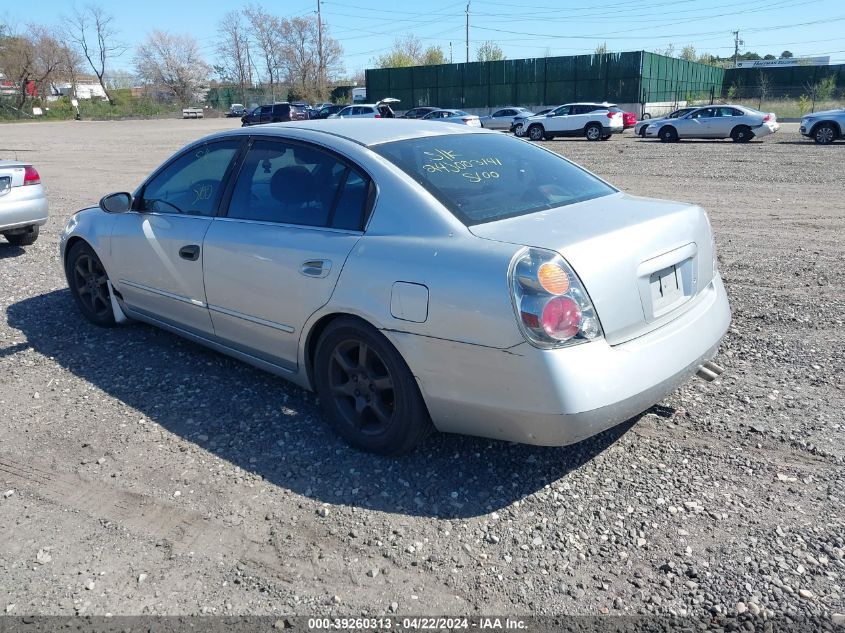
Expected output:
(142, 474)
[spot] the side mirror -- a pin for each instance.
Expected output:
(116, 202)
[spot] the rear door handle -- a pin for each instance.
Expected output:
(191, 252)
(316, 268)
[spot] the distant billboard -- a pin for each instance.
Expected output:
(792, 61)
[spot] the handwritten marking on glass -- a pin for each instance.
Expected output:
(449, 162)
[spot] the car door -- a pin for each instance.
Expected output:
(557, 119)
(725, 120)
(501, 119)
(296, 211)
(156, 248)
(698, 124)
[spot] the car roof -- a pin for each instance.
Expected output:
(364, 131)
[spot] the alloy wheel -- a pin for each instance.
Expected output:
(362, 387)
(91, 284)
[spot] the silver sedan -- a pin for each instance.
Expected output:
(503, 118)
(738, 123)
(415, 275)
(453, 116)
(23, 205)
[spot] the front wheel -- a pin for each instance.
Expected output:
(593, 132)
(368, 393)
(642, 131)
(26, 238)
(824, 134)
(88, 283)
(741, 134)
(536, 133)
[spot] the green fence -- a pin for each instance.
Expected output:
(620, 77)
(669, 79)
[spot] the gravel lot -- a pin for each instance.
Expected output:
(140, 473)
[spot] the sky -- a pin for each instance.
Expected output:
(522, 28)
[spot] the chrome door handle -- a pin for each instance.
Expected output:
(316, 268)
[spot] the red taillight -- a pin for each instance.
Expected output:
(561, 318)
(30, 176)
(767, 118)
(378, 116)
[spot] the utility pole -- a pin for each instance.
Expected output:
(468, 3)
(737, 43)
(450, 52)
(319, 50)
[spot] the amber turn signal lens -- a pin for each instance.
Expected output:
(553, 278)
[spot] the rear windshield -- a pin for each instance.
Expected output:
(487, 177)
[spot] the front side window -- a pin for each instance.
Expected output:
(561, 111)
(346, 111)
(487, 177)
(192, 183)
(290, 183)
(704, 113)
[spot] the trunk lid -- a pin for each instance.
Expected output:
(11, 175)
(641, 260)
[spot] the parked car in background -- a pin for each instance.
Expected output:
(380, 110)
(275, 113)
(517, 126)
(738, 123)
(629, 120)
(413, 275)
(640, 127)
(594, 121)
(236, 110)
(327, 110)
(23, 205)
(418, 113)
(503, 118)
(453, 116)
(824, 127)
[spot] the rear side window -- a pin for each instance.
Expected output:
(298, 184)
(487, 177)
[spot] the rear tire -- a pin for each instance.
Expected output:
(88, 283)
(741, 134)
(825, 134)
(668, 134)
(536, 132)
(368, 393)
(593, 132)
(26, 238)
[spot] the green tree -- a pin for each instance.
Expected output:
(786, 55)
(432, 56)
(489, 51)
(688, 53)
(406, 51)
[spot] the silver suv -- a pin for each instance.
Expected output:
(824, 127)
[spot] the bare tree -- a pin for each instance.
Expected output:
(173, 62)
(266, 34)
(93, 31)
(30, 58)
(233, 49)
(308, 72)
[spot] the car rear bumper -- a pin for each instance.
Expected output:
(559, 397)
(765, 129)
(23, 206)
